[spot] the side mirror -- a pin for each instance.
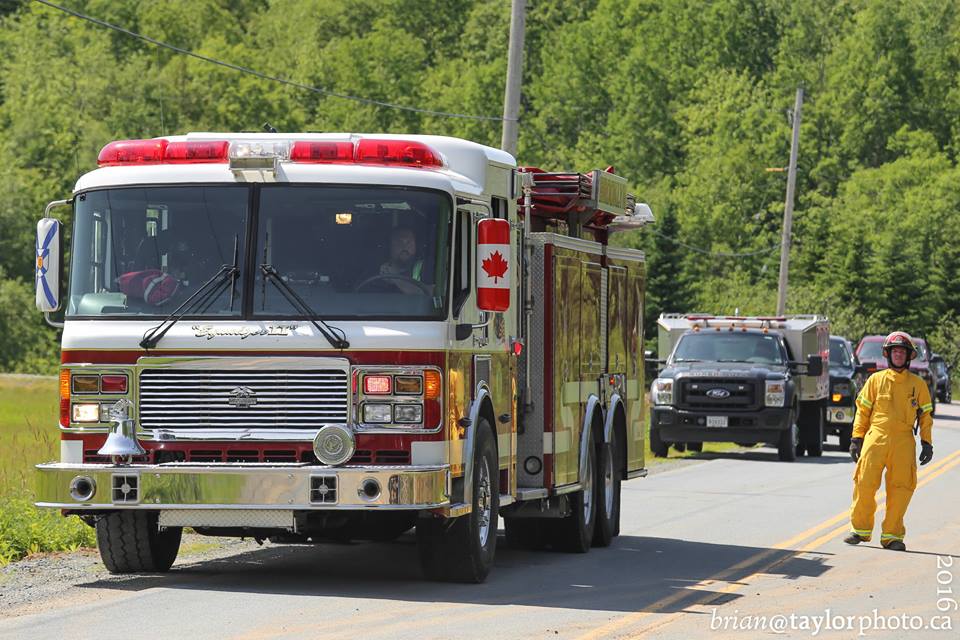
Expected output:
(493, 265)
(49, 268)
(814, 366)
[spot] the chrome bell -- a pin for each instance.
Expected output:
(122, 441)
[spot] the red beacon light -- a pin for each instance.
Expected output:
(404, 152)
(160, 151)
(322, 152)
(123, 152)
(196, 151)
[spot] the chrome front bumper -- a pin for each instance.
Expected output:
(241, 486)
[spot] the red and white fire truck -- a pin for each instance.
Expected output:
(300, 337)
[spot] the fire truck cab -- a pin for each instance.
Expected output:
(300, 337)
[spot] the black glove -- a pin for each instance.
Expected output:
(926, 452)
(855, 445)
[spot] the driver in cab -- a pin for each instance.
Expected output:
(404, 264)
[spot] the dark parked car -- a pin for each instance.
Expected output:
(942, 371)
(846, 379)
(869, 353)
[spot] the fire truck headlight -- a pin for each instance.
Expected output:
(86, 412)
(408, 413)
(377, 413)
(334, 444)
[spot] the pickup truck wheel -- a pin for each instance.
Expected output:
(574, 533)
(658, 446)
(132, 542)
(846, 434)
(810, 420)
(789, 442)
(696, 447)
(463, 550)
(608, 493)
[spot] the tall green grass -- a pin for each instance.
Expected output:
(28, 435)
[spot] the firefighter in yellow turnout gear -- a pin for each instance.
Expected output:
(883, 438)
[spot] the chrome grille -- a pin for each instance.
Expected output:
(173, 398)
(741, 393)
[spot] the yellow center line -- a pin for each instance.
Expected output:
(710, 596)
(760, 556)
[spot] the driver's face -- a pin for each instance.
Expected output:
(403, 246)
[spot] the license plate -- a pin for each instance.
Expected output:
(716, 421)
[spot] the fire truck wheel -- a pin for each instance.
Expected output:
(574, 533)
(525, 533)
(131, 542)
(608, 494)
(463, 550)
(658, 446)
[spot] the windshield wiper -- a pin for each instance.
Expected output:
(202, 295)
(687, 360)
(335, 336)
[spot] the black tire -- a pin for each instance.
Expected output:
(525, 533)
(462, 550)
(658, 446)
(608, 493)
(574, 533)
(811, 430)
(846, 435)
(680, 446)
(746, 445)
(696, 447)
(787, 447)
(131, 542)
(948, 395)
(933, 409)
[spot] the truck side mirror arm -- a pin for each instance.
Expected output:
(465, 330)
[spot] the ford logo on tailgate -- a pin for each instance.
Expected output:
(718, 393)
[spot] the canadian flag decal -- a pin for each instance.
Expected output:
(493, 265)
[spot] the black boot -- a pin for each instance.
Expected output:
(854, 538)
(895, 545)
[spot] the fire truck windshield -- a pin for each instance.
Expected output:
(349, 251)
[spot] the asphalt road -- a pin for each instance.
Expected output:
(713, 549)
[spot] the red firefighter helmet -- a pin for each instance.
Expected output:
(899, 339)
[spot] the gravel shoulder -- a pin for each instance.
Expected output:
(27, 585)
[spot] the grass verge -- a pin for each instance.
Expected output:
(28, 435)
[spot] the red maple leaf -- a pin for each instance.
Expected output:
(495, 266)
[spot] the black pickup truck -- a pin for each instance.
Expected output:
(737, 384)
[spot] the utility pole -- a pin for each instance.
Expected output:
(788, 207)
(511, 97)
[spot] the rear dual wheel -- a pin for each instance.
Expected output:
(574, 533)
(608, 492)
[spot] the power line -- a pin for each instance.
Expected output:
(719, 254)
(264, 76)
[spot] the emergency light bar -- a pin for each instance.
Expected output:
(737, 321)
(264, 153)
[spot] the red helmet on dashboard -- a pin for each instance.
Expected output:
(899, 339)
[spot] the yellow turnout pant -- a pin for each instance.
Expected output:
(895, 452)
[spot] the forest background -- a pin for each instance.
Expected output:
(690, 101)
